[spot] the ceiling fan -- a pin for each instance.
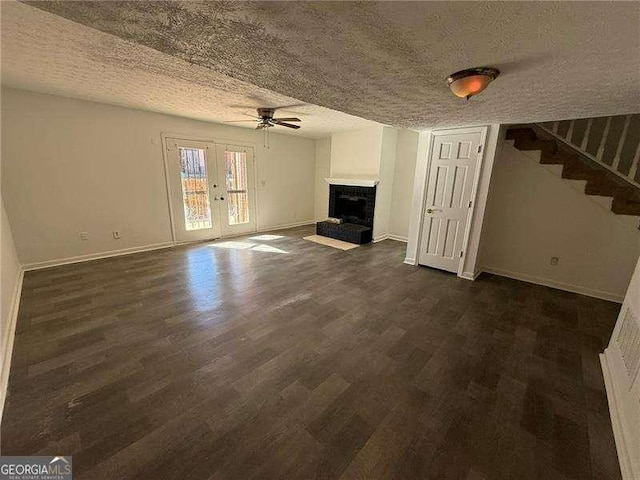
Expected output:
(266, 120)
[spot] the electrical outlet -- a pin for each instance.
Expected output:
(116, 234)
(84, 236)
(554, 261)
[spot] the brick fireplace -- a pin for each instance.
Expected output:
(355, 206)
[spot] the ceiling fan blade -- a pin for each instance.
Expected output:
(238, 121)
(288, 125)
(292, 119)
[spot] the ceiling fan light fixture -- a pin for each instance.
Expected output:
(470, 82)
(267, 120)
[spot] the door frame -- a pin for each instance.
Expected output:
(198, 138)
(420, 190)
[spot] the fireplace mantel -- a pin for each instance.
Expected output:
(353, 181)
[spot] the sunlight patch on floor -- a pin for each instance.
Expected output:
(234, 245)
(266, 237)
(256, 247)
(268, 248)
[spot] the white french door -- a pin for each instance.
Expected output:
(193, 175)
(211, 189)
(236, 170)
(450, 185)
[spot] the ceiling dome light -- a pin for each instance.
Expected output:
(466, 83)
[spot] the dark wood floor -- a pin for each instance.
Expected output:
(291, 360)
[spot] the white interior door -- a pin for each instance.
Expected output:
(193, 190)
(237, 199)
(621, 368)
(450, 184)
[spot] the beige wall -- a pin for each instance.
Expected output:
(356, 152)
(323, 170)
(71, 166)
(492, 149)
(383, 152)
(404, 174)
(533, 215)
(384, 190)
(365, 153)
(10, 271)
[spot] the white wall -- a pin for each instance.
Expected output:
(384, 190)
(10, 271)
(72, 165)
(356, 152)
(533, 215)
(323, 170)
(10, 289)
(492, 149)
(366, 153)
(403, 176)
(418, 196)
(11, 279)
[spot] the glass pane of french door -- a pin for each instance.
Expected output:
(192, 171)
(195, 188)
(236, 163)
(237, 191)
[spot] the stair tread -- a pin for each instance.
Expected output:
(625, 208)
(599, 181)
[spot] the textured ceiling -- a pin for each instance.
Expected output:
(47, 53)
(387, 61)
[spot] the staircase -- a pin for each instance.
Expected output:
(576, 165)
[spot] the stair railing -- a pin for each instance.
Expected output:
(598, 158)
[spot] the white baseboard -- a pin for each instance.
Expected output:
(397, 238)
(144, 248)
(469, 275)
(410, 261)
(390, 236)
(8, 346)
(95, 256)
(616, 421)
(612, 297)
(285, 226)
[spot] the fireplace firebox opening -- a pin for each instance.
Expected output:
(351, 208)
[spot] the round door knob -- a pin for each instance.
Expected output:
(221, 198)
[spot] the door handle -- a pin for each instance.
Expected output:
(431, 210)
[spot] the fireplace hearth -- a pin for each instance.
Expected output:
(354, 205)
